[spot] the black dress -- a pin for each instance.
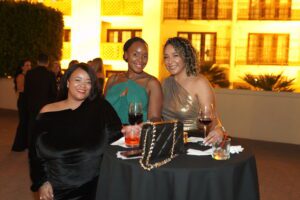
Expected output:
(21, 138)
(69, 148)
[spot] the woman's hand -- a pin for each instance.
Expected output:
(216, 135)
(129, 128)
(46, 191)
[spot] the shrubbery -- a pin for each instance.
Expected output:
(27, 30)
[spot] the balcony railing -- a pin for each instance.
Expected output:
(197, 10)
(122, 7)
(272, 56)
(111, 51)
(268, 12)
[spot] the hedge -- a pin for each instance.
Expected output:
(26, 30)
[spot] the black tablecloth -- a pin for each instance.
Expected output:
(184, 178)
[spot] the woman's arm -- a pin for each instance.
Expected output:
(206, 96)
(36, 163)
(155, 100)
(113, 123)
(20, 83)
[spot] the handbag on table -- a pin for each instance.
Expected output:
(160, 143)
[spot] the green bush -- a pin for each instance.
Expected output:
(26, 30)
(269, 82)
(216, 75)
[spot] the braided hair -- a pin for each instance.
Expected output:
(187, 52)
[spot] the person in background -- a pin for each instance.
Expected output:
(21, 138)
(135, 85)
(40, 89)
(186, 91)
(72, 62)
(97, 65)
(56, 69)
(72, 134)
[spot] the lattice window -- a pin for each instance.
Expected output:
(204, 43)
(122, 7)
(122, 35)
(270, 9)
(268, 49)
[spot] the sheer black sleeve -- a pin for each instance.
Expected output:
(113, 123)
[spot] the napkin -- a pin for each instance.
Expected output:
(126, 158)
(236, 149)
(120, 142)
(195, 139)
(195, 152)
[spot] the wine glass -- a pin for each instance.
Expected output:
(206, 116)
(135, 116)
(135, 113)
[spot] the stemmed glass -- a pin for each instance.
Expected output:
(135, 116)
(135, 113)
(206, 116)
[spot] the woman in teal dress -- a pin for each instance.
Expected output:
(135, 85)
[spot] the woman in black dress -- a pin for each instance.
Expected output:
(71, 137)
(21, 138)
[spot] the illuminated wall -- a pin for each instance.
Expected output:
(89, 22)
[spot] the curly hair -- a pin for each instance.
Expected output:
(130, 42)
(187, 52)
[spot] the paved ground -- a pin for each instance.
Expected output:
(278, 166)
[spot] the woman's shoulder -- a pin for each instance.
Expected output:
(20, 76)
(53, 107)
(200, 80)
(115, 79)
(150, 80)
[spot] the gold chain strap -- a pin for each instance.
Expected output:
(148, 166)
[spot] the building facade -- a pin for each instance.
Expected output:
(243, 36)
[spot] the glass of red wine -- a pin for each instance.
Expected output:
(206, 116)
(135, 113)
(135, 116)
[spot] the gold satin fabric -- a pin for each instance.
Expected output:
(179, 104)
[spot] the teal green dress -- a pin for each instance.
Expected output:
(136, 93)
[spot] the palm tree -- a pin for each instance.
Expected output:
(216, 75)
(269, 82)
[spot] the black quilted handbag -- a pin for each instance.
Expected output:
(160, 143)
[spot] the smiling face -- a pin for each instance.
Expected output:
(173, 60)
(79, 85)
(137, 57)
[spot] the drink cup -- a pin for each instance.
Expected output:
(221, 150)
(132, 138)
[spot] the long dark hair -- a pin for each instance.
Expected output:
(129, 42)
(187, 52)
(63, 88)
(18, 71)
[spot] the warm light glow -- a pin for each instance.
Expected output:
(89, 32)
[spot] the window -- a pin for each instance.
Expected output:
(270, 9)
(268, 49)
(122, 35)
(198, 9)
(67, 35)
(204, 43)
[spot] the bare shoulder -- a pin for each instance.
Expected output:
(53, 107)
(153, 82)
(202, 81)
